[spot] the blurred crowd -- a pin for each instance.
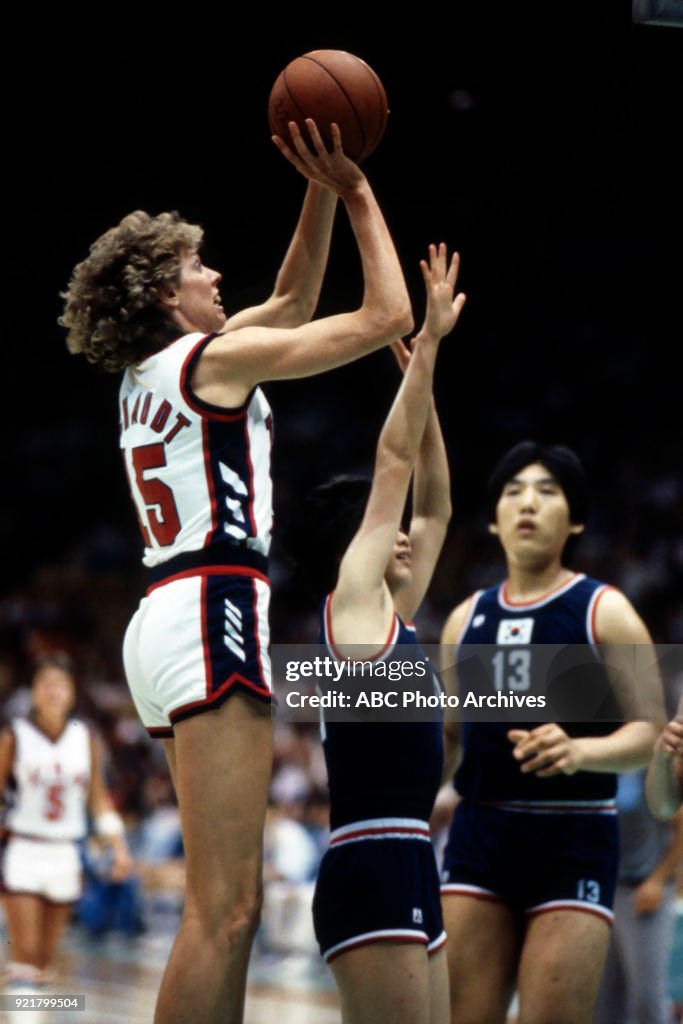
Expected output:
(82, 603)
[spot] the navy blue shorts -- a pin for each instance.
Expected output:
(533, 861)
(378, 882)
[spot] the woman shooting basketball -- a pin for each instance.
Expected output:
(196, 437)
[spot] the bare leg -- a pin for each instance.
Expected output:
(56, 916)
(482, 950)
(221, 763)
(384, 983)
(24, 924)
(561, 966)
(439, 995)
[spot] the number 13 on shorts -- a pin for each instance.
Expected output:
(589, 890)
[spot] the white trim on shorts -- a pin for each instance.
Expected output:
(478, 892)
(380, 828)
(597, 909)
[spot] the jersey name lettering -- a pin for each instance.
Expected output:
(162, 417)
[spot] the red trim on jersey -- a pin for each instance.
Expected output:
(391, 639)
(422, 940)
(544, 597)
(210, 570)
(203, 604)
(596, 601)
(254, 606)
(213, 504)
(250, 469)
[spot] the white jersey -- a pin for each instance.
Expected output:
(52, 781)
(198, 474)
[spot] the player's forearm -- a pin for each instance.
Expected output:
(300, 277)
(431, 482)
(625, 750)
(672, 858)
(451, 752)
(404, 427)
(664, 785)
(386, 305)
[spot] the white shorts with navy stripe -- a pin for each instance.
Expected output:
(194, 641)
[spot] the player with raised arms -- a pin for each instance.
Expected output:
(376, 907)
(196, 438)
(530, 866)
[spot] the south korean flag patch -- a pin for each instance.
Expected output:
(514, 631)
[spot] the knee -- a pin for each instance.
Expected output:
(228, 919)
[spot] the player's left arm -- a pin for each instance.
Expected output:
(630, 658)
(299, 280)
(7, 748)
(107, 822)
(361, 586)
(431, 511)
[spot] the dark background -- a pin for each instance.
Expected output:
(541, 145)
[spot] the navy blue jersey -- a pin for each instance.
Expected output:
(488, 771)
(383, 769)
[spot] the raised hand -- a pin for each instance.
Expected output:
(440, 279)
(334, 171)
(670, 740)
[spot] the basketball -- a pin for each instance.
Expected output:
(330, 86)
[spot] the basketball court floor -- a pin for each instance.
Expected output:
(119, 978)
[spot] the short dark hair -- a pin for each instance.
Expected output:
(326, 523)
(563, 463)
(55, 659)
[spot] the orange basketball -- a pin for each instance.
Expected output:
(331, 86)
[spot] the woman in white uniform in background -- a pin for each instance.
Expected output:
(51, 775)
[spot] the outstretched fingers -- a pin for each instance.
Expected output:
(330, 168)
(440, 276)
(452, 275)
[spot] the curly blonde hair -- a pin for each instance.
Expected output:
(113, 309)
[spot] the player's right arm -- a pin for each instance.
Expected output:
(234, 362)
(664, 786)
(450, 635)
(299, 280)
